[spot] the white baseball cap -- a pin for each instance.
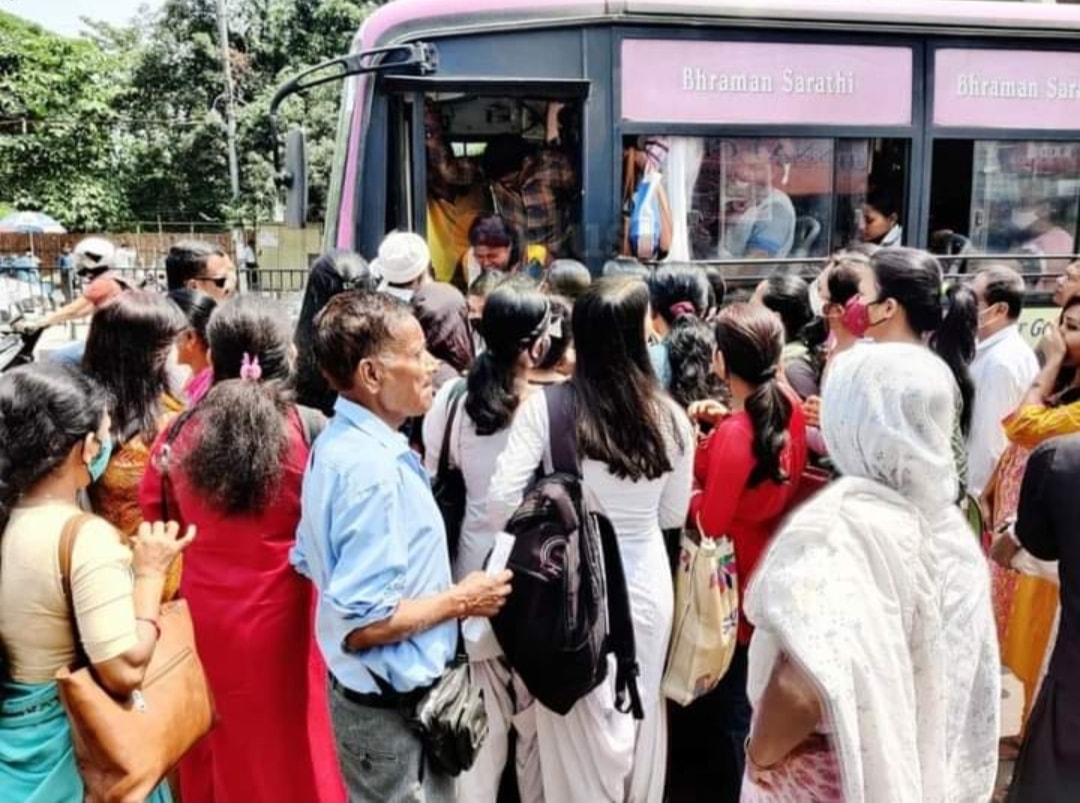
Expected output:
(403, 256)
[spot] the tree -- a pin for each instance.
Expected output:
(57, 118)
(180, 171)
(126, 124)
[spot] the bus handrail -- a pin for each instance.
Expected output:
(419, 55)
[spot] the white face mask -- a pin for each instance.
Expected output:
(1024, 219)
(178, 373)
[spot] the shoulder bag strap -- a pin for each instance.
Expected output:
(165, 459)
(562, 428)
(66, 553)
(452, 405)
(620, 623)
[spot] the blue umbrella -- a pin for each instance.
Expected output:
(31, 223)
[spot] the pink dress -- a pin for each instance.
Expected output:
(253, 619)
(810, 775)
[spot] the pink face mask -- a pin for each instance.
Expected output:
(856, 317)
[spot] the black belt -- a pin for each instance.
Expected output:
(389, 698)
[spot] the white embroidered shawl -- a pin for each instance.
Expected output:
(878, 590)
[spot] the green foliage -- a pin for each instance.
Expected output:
(57, 115)
(128, 123)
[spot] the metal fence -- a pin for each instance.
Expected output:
(34, 292)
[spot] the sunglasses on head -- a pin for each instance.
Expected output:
(218, 281)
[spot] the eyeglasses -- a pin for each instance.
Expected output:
(218, 281)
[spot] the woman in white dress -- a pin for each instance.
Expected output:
(516, 325)
(637, 450)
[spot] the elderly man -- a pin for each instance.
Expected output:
(372, 540)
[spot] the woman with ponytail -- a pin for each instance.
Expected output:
(55, 438)
(515, 327)
(678, 294)
(233, 466)
(804, 333)
(746, 472)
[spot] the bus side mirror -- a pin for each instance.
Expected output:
(294, 179)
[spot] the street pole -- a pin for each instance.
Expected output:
(230, 127)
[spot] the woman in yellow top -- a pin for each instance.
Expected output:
(1026, 596)
(127, 353)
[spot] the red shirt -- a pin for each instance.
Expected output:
(103, 289)
(728, 506)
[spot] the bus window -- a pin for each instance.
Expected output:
(1006, 197)
(760, 198)
(513, 159)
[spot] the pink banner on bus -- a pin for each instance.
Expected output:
(1006, 89)
(765, 83)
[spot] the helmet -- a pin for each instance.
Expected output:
(94, 253)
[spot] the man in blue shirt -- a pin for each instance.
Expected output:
(372, 540)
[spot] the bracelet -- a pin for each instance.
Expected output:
(154, 622)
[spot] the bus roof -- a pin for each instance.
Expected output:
(409, 19)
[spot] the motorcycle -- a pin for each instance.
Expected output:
(17, 345)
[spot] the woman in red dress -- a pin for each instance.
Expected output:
(746, 474)
(233, 467)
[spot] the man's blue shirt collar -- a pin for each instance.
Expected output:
(365, 420)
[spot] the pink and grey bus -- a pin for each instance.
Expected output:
(784, 129)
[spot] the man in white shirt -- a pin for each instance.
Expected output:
(1003, 369)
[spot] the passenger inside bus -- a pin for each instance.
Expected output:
(488, 156)
(495, 245)
(743, 211)
(760, 197)
(1038, 232)
(880, 220)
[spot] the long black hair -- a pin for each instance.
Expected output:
(751, 340)
(690, 346)
(514, 318)
(46, 409)
(127, 351)
(332, 273)
(948, 316)
(620, 404)
(241, 438)
(789, 297)
(197, 307)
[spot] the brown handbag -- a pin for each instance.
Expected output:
(125, 748)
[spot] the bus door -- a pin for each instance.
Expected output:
(471, 150)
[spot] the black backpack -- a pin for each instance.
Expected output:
(569, 605)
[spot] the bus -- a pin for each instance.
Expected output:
(784, 130)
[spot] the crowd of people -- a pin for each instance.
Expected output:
(841, 432)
